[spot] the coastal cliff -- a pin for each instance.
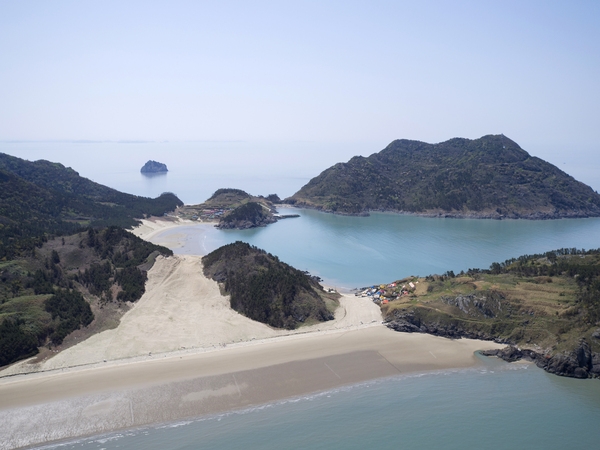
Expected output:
(490, 177)
(578, 363)
(545, 307)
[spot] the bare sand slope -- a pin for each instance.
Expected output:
(181, 309)
(184, 310)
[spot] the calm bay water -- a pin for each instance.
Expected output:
(497, 406)
(350, 252)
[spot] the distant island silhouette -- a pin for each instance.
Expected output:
(154, 167)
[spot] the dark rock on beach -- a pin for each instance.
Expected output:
(409, 322)
(580, 363)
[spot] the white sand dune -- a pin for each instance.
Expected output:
(184, 310)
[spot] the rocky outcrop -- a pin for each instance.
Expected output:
(579, 363)
(249, 215)
(244, 224)
(154, 167)
(488, 305)
(409, 322)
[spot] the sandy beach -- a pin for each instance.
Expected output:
(65, 403)
(182, 352)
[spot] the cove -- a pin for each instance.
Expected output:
(349, 252)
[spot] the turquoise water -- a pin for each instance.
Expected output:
(496, 406)
(350, 252)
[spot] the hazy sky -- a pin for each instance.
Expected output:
(320, 71)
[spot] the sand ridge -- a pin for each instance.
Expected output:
(183, 310)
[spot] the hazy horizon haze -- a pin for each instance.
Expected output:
(325, 72)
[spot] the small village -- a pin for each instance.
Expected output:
(385, 293)
(210, 215)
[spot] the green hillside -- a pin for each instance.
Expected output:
(70, 282)
(66, 265)
(267, 290)
(547, 304)
(490, 177)
(38, 199)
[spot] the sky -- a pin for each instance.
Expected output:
(306, 71)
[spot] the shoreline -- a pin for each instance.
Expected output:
(152, 230)
(95, 400)
(181, 352)
(446, 214)
(156, 225)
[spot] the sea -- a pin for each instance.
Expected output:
(494, 405)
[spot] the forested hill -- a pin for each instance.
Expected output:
(490, 177)
(43, 198)
(81, 283)
(268, 290)
(62, 270)
(58, 178)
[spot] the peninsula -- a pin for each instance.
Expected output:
(266, 289)
(544, 306)
(490, 177)
(235, 209)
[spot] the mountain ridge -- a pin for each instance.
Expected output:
(43, 198)
(489, 177)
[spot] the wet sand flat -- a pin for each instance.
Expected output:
(56, 405)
